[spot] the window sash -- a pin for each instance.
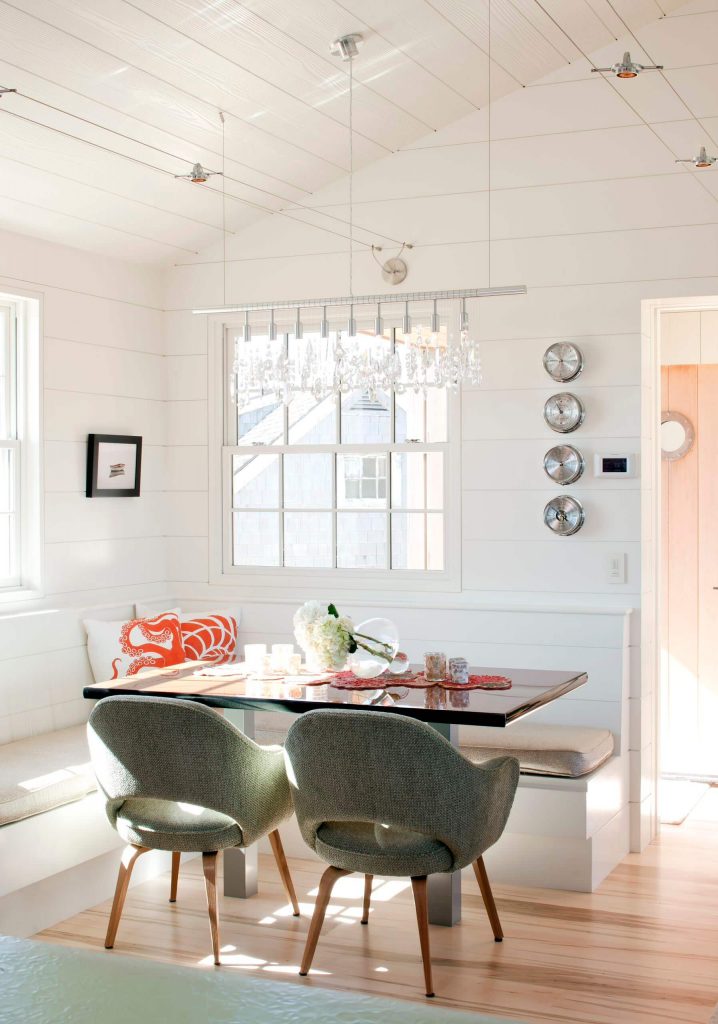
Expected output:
(335, 508)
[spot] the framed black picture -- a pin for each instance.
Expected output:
(114, 462)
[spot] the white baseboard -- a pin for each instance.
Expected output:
(45, 903)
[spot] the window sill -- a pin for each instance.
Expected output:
(18, 595)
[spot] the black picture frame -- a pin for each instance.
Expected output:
(96, 467)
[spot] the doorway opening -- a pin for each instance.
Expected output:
(687, 576)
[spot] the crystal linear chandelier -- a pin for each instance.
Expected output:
(430, 344)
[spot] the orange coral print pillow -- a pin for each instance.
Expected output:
(210, 638)
(119, 649)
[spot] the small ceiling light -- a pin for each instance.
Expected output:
(198, 175)
(4, 92)
(627, 68)
(702, 160)
(346, 47)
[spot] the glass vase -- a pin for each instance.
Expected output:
(380, 642)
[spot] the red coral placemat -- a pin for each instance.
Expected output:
(417, 681)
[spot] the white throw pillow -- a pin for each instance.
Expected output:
(118, 649)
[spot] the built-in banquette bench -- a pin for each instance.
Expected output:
(568, 828)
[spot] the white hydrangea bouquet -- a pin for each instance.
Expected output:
(328, 638)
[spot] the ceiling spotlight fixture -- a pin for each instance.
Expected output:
(627, 68)
(346, 47)
(198, 174)
(4, 91)
(702, 160)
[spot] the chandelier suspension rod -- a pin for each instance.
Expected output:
(366, 300)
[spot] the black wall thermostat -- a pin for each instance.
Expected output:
(614, 465)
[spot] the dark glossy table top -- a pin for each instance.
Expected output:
(530, 690)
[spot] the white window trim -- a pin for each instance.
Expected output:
(27, 314)
(223, 573)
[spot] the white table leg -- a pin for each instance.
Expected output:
(444, 890)
(240, 865)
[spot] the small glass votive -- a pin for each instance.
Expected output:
(254, 656)
(459, 670)
(281, 655)
(295, 665)
(400, 664)
(435, 666)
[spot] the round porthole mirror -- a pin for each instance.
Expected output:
(677, 435)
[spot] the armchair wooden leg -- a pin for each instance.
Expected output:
(483, 879)
(209, 866)
(329, 878)
(422, 919)
(368, 879)
(278, 851)
(129, 855)
(175, 876)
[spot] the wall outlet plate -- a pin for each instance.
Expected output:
(616, 567)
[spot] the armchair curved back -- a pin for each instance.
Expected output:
(384, 768)
(181, 751)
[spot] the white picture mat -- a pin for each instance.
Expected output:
(109, 453)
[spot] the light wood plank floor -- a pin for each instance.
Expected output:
(643, 949)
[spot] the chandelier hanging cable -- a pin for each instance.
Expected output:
(397, 342)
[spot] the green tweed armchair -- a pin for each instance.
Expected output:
(177, 776)
(383, 794)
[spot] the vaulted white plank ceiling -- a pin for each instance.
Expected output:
(115, 97)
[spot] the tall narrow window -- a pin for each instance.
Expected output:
(19, 443)
(350, 482)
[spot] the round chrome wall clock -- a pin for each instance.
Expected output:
(564, 412)
(564, 515)
(564, 464)
(563, 361)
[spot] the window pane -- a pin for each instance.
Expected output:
(260, 421)
(435, 541)
(256, 538)
(6, 532)
(308, 481)
(255, 481)
(308, 539)
(408, 540)
(409, 413)
(361, 481)
(361, 540)
(6, 480)
(417, 480)
(437, 425)
(421, 417)
(310, 421)
(366, 419)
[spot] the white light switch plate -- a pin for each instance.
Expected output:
(616, 567)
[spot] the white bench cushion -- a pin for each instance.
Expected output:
(565, 750)
(43, 772)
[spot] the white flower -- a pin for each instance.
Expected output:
(323, 636)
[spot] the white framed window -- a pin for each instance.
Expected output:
(345, 485)
(20, 512)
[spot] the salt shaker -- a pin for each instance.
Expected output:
(459, 670)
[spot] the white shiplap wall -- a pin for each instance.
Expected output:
(589, 209)
(103, 372)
